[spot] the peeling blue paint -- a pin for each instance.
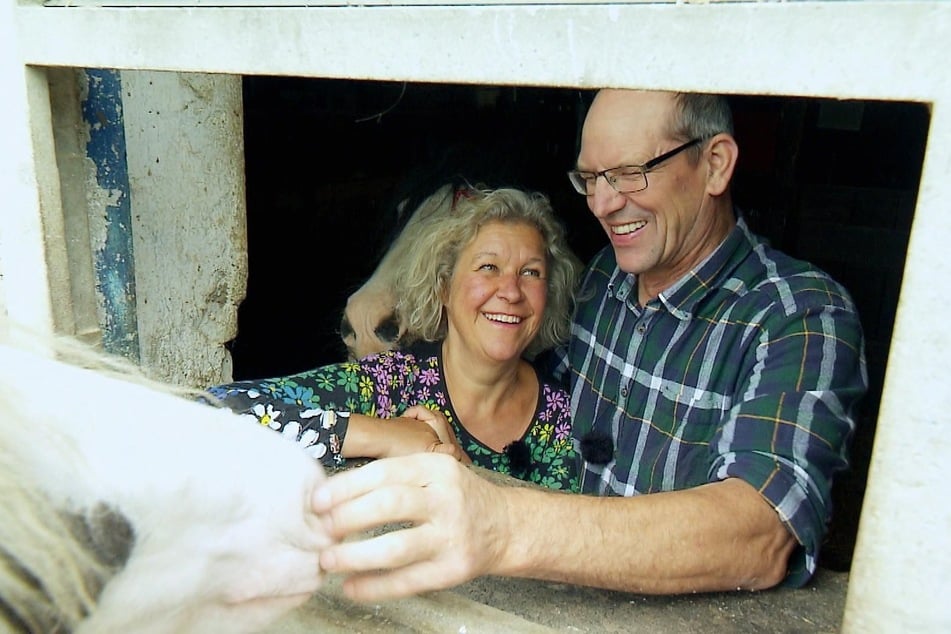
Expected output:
(114, 262)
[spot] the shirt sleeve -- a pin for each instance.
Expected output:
(312, 408)
(789, 432)
(319, 432)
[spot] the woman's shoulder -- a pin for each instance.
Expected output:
(553, 395)
(422, 350)
(399, 356)
(400, 368)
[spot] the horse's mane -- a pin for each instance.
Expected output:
(50, 575)
(53, 562)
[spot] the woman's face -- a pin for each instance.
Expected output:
(498, 290)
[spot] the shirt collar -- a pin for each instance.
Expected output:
(682, 297)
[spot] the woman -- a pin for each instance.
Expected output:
(486, 287)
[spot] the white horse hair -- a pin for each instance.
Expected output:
(127, 506)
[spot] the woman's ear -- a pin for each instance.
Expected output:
(722, 154)
(442, 292)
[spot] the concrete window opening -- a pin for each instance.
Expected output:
(832, 182)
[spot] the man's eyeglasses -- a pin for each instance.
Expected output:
(626, 179)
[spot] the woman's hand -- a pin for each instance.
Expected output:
(419, 430)
(446, 441)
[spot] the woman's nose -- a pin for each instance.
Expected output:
(509, 287)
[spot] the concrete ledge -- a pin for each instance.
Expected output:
(497, 605)
(329, 613)
(817, 608)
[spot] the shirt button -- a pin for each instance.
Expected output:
(641, 328)
(624, 391)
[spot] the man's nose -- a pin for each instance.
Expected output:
(605, 200)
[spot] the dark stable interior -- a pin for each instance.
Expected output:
(328, 162)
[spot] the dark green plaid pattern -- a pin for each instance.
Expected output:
(750, 367)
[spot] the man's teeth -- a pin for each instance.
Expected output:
(630, 227)
(507, 319)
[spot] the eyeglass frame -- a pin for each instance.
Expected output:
(643, 169)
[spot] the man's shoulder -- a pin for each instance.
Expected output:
(545, 366)
(769, 274)
(600, 270)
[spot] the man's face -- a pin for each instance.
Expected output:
(657, 233)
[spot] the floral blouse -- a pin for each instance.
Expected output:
(312, 409)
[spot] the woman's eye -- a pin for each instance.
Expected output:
(486, 267)
(532, 272)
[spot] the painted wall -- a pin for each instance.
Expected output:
(142, 228)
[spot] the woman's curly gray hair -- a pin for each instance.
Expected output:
(428, 268)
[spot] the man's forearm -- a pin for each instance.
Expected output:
(721, 536)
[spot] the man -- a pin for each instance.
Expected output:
(713, 383)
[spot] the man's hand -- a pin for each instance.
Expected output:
(459, 523)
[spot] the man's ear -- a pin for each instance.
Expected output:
(722, 153)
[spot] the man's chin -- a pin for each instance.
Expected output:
(630, 261)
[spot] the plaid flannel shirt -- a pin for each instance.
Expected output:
(750, 366)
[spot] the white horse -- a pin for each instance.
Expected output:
(369, 321)
(126, 507)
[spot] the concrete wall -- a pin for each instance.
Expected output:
(186, 171)
(182, 171)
